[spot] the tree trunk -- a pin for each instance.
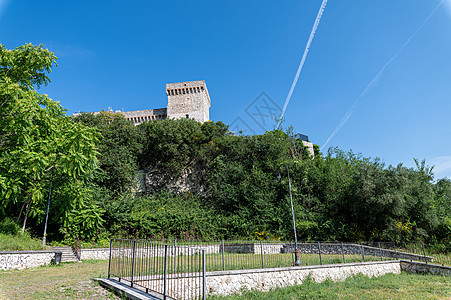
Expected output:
(20, 213)
(27, 210)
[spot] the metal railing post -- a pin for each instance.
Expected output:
(165, 274)
(109, 261)
(133, 263)
(319, 252)
(380, 250)
(343, 252)
(363, 252)
(175, 256)
(204, 275)
(223, 258)
(424, 254)
(261, 250)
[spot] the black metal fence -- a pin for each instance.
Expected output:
(222, 255)
(177, 268)
(175, 272)
(429, 254)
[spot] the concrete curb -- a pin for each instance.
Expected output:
(122, 289)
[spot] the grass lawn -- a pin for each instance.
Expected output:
(19, 242)
(64, 281)
(404, 286)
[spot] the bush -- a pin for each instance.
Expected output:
(8, 226)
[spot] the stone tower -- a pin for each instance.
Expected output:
(188, 100)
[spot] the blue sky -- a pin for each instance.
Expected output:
(120, 54)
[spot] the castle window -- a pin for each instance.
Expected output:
(187, 116)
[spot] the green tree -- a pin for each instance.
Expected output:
(38, 142)
(119, 149)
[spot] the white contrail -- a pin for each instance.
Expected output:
(377, 77)
(307, 47)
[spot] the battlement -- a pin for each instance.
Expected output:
(188, 99)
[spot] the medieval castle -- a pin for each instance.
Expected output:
(189, 100)
(185, 100)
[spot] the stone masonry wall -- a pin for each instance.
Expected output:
(188, 100)
(231, 282)
(104, 253)
(99, 253)
(236, 281)
(422, 268)
(10, 260)
(189, 180)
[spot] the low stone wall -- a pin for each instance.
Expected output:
(423, 268)
(99, 253)
(20, 260)
(237, 281)
(231, 282)
(252, 248)
(104, 253)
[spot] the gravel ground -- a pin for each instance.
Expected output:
(64, 281)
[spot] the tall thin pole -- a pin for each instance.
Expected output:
(297, 261)
(47, 214)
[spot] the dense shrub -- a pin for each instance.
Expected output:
(8, 226)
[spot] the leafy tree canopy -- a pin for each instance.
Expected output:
(38, 142)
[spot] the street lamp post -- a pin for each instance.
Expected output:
(47, 214)
(297, 261)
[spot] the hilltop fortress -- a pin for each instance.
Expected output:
(185, 100)
(189, 100)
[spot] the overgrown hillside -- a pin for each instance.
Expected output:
(200, 181)
(207, 183)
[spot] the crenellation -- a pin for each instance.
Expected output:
(185, 100)
(188, 100)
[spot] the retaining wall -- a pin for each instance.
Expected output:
(236, 281)
(99, 253)
(423, 268)
(231, 282)
(27, 259)
(104, 253)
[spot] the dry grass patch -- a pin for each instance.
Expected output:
(64, 281)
